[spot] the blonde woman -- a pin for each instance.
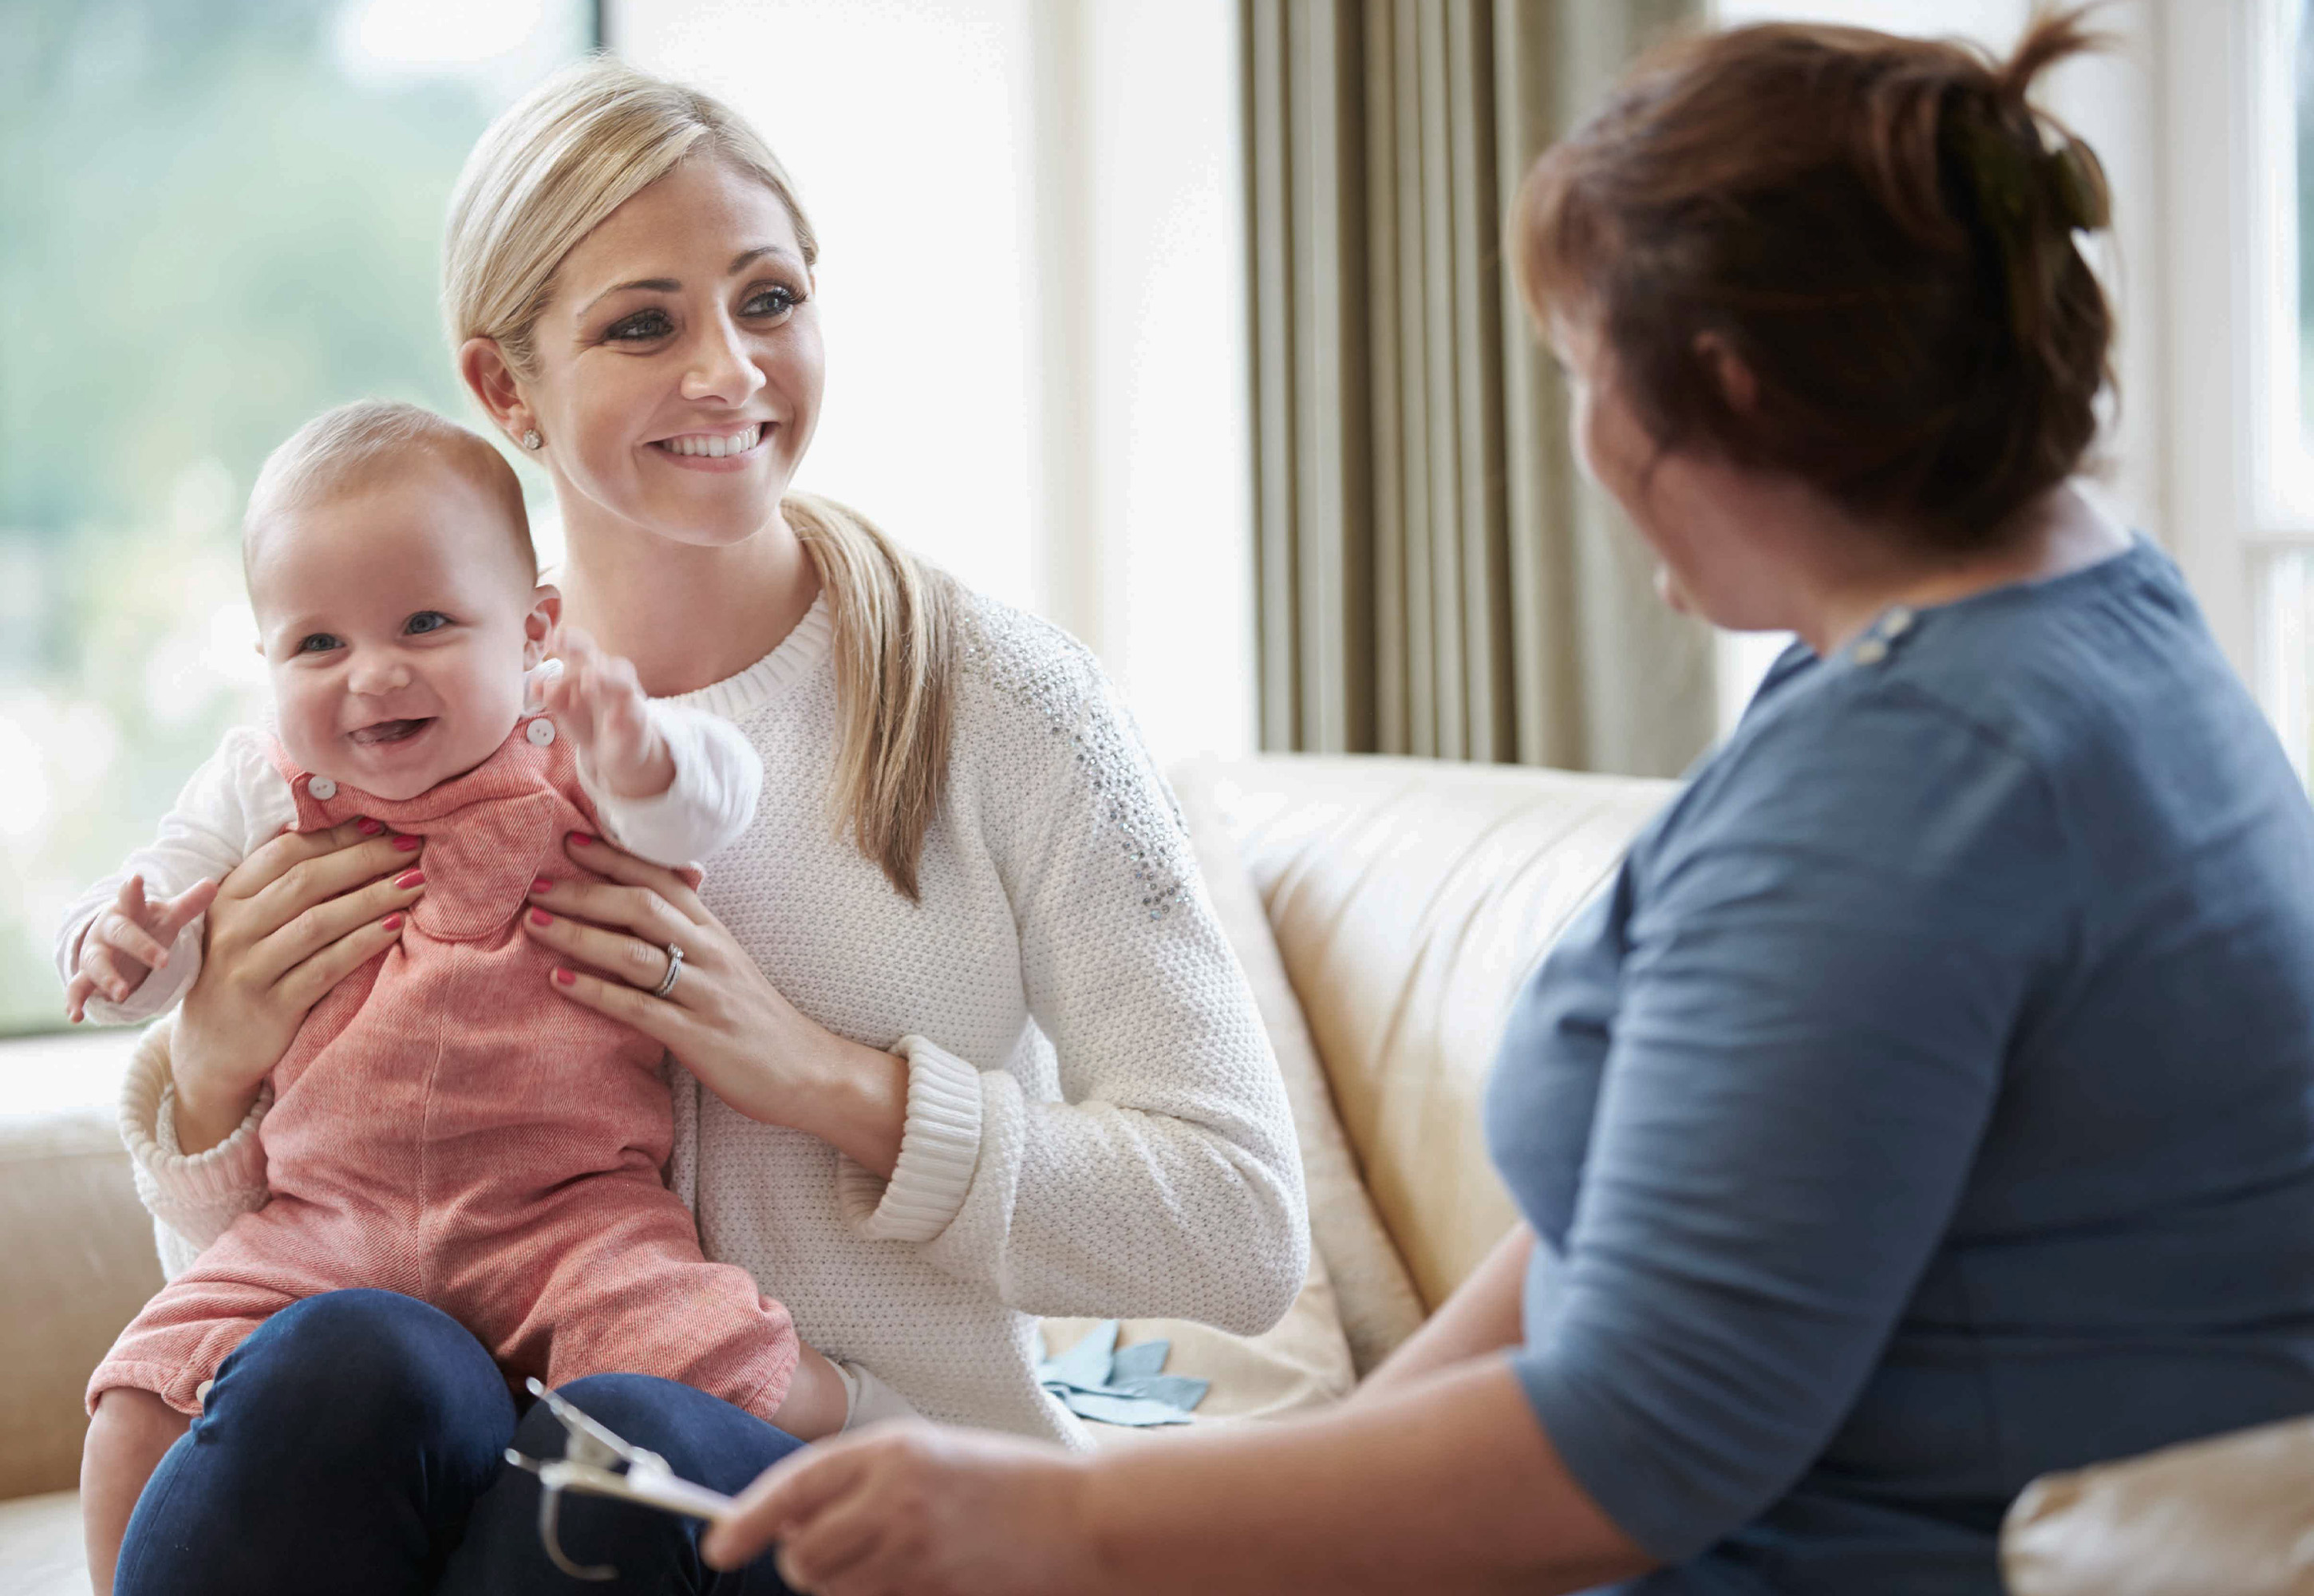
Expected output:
(959, 1041)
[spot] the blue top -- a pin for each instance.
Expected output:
(1929, 1102)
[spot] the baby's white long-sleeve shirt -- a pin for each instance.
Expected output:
(239, 800)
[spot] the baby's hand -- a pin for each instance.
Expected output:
(128, 941)
(597, 700)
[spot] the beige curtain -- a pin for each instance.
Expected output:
(1434, 579)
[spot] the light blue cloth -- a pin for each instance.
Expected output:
(1930, 1103)
(1098, 1380)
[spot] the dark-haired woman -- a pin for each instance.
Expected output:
(1930, 1103)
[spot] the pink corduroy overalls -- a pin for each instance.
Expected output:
(446, 1126)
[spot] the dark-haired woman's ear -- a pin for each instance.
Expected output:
(1739, 389)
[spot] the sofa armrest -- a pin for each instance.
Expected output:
(77, 1256)
(2231, 1514)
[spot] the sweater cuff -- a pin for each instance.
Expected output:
(197, 1193)
(939, 1148)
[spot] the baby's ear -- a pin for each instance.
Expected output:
(538, 626)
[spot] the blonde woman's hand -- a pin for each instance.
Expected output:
(722, 1018)
(290, 922)
(911, 1507)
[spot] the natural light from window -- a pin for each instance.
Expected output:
(168, 318)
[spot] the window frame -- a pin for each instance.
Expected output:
(2240, 472)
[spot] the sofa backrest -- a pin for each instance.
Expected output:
(1410, 900)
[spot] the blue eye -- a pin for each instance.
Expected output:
(320, 642)
(640, 327)
(774, 301)
(424, 622)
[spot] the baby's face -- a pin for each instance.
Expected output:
(397, 619)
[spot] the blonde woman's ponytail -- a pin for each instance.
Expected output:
(896, 624)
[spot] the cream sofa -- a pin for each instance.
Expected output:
(1386, 911)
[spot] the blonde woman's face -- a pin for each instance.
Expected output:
(679, 361)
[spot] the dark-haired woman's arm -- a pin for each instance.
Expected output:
(1447, 1485)
(1484, 1315)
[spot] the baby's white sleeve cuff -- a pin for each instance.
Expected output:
(717, 777)
(939, 1148)
(158, 992)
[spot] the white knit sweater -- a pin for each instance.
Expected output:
(1095, 1124)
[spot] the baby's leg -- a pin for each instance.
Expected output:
(614, 1284)
(145, 1394)
(132, 1431)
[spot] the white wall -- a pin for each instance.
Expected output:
(1031, 227)
(905, 127)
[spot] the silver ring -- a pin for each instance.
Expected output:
(674, 968)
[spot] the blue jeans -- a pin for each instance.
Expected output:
(354, 1445)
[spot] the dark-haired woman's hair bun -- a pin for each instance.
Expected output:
(1882, 229)
(2078, 176)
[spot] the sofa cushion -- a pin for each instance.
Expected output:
(42, 1553)
(1409, 900)
(1375, 1295)
(1299, 1365)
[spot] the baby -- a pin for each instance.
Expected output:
(444, 1126)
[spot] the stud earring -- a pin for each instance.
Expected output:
(531, 440)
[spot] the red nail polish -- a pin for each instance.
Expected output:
(565, 978)
(370, 828)
(541, 917)
(407, 844)
(542, 885)
(580, 839)
(410, 878)
(394, 922)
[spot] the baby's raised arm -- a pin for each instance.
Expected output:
(671, 784)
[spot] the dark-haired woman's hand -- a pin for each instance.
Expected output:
(915, 1507)
(722, 1018)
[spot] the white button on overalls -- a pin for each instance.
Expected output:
(321, 788)
(541, 732)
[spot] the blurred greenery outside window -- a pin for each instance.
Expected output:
(216, 220)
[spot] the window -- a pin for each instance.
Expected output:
(2281, 217)
(215, 221)
(1031, 288)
